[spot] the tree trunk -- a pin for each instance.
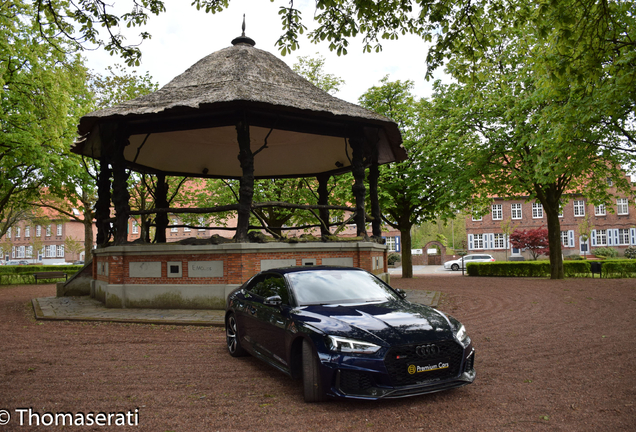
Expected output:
(88, 225)
(246, 190)
(554, 241)
(407, 259)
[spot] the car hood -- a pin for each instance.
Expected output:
(389, 323)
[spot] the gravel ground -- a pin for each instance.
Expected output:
(551, 356)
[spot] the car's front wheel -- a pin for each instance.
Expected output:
(455, 267)
(232, 337)
(312, 383)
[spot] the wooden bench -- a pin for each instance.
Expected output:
(50, 275)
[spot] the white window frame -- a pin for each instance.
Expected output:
(8, 233)
(537, 210)
(38, 231)
(599, 210)
(27, 231)
(516, 211)
(187, 229)
(21, 251)
(174, 229)
(391, 244)
(29, 252)
(601, 237)
(135, 227)
(201, 222)
(18, 233)
(579, 208)
(59, 229)
(60, 251)
(623, 236)
(622, 206)
(499, 240)
(497, 212)
(48, 230)
(478, 241)
(477, 219)
(564, 238)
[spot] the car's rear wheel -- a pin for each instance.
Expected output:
(312, 383)
(455, 267)
(232, 337)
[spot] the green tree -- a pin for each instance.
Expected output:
(413, 190)
(39, 86)
(313, 70)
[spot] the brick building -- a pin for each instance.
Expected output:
(47, 239)
(613, 226)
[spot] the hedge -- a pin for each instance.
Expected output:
(609, 268)
(23, 275)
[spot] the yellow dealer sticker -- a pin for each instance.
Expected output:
(413, 369)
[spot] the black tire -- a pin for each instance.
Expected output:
(312, 384)
(455, 267)
(232, 337)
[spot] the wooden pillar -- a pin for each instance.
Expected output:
(102, 206)
(121, 197)
(161, 201)
(246, 190)
(323, 199)
(374, 175)
(358, 189)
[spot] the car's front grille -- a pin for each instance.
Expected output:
(402, 362)
(353, 382)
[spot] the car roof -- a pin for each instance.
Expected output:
(296, 269)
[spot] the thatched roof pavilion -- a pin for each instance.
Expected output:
(237, 101)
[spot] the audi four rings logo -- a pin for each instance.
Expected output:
(427, 350)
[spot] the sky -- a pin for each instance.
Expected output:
(182, 35)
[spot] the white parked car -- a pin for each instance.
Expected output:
(457, 264)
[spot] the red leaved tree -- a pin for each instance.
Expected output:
(533, 240)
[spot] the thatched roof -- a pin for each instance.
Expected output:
(193, 117)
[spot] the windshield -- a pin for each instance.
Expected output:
(338, 287)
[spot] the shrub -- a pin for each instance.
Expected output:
(526, 269)
(393, 258)
(619, 268)
(630, 252)
(605, 252)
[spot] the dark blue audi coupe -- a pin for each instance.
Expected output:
(347, 334)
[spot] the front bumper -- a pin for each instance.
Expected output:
(364, 378)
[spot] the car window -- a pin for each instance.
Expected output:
(271, 285)
(327, 287)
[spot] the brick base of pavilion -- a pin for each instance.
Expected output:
(172, 276)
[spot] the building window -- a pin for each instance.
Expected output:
(599, 210)
(610, 183)
(9, 233)
(135, 227)
(497, 212)
(623, 236)
(12, 251)
(477, 218)
(21, 250)
(479, 241)
(390, 244)
(500, 241)
(515, 209)
(38, 230)
(537, 211)
(60, 251)
(48, 230)
(18, 233)
(564, 239)
(174, 229)
(601, 237)
(29, 252)
(27, 231)
(51, 251)
(186, 229)
(59, 229)
(623, 208)
(579, 208)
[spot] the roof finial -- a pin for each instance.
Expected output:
(242, 39)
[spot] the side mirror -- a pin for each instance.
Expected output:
(401, 292)
(274, 300)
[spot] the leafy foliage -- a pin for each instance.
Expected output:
(605, 252)
(527, 269)
(533, 240)
(313, 70)
(630, 252)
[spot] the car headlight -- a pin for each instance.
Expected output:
(340, 344)
(461, 333)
